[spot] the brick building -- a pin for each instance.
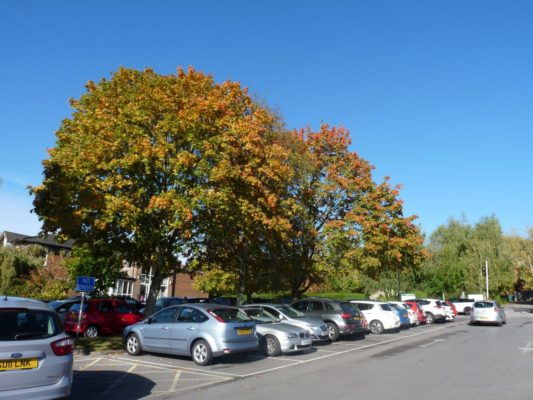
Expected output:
(136, 283)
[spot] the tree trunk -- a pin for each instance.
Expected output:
(155, 286)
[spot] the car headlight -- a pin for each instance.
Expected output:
(292, 335)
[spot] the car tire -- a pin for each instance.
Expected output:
(201, 353)
(467, 311)
(271, 346)
(430, 318)
(376, 327)
(333, 331)
(133, 345)
(500, 323)
(91, 332)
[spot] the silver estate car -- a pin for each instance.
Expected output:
(487, 312)
(202, 331)
(277, 337)
(35, 354)
(316, 327)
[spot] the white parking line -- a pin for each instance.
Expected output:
(190, 370)
(351, 350)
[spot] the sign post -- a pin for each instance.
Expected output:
(83, 284)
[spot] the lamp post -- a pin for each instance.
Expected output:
(487, 278)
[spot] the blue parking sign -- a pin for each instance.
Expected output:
(85, 284)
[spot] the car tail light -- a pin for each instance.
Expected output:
(63, 347)
(497, 309)
(216, 316)
(346, 315)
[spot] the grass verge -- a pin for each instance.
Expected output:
(100, 344)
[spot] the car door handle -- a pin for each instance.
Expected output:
(164, 328)
(190, 328)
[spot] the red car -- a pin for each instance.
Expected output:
(449, 303)
(419, 312)
(101, 317)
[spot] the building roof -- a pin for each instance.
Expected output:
(43, 240)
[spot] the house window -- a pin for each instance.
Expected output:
(123, 288)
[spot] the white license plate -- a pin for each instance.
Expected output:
(306, 342)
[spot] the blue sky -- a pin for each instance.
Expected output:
(438, 95)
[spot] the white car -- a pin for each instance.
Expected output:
(448, 310)
(463, 306)
(277, 337)
(433, 309)
(413, 318)
(379, 315)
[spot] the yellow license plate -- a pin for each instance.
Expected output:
(22, 363)
(244, 331)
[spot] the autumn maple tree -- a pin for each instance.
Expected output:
(146, 159)
(345, 221)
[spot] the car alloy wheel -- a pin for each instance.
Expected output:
(467, 311)
(133, 347)
(272, 346)
(376, 327)
(430, 318)
(201, 353)
(333, 331)
(91, 332)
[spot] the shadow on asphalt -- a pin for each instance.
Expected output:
(116, 385)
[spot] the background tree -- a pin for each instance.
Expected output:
(99, 262)
(344, 222)
(521, 253)
(458, 252)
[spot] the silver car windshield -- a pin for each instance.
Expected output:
(290, 312)
(261, 316)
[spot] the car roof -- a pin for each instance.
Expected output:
(273, 305)
(368, 301)
(22, 302)
(206, 306)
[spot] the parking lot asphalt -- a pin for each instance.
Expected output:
(120, 376)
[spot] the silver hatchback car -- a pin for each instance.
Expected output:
(487, 312)
(277, 337)
(316, 327)
(202, 331)
(35, 354)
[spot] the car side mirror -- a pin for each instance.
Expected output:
(149, 320)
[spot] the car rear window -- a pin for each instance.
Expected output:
(24, 324)
(484, 304)
(230, 314)
(348, 308)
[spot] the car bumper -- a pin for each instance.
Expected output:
(235, 347)
(351, 329)
(294, 345)
(58, 390)
(485, 319)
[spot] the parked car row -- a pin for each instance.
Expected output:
(36, 353)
